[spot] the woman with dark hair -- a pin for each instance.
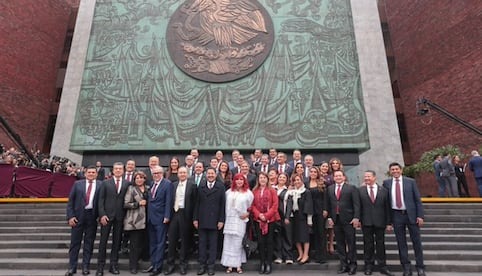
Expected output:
(273, 177)
(300, 169)
(316, 186)
(283, 238)
(172, 170)
(225, 175)
(135, 201)
(265, 215)
(303, 215)
(335, 165)
(325, 173)
(238, 200)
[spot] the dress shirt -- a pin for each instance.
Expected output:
(181, 194)
(92, 193)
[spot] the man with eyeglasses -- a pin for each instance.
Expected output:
(158, 216)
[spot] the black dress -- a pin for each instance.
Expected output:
(305, 208)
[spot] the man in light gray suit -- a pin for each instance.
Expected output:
(448, 175)
(407, 212)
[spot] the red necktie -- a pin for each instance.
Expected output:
(117, 183)
(129, 176)
(87, 194)
(398, 194)
(338, 193)
(372, 194)
(280, 169)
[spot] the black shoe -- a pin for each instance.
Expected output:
(420, 272)
(85, 271)
(70, 272)
(149, 269)
(368, 272)
(262, 268)
(100, 272)
(210, 271)
(114, 269)
(201, 270)
(407, 273)
(133, 271)
(182, 270)
(343, 269)
(385, 271)
(169, 270)
(267, 270)
(352, 271)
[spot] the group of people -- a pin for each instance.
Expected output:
(450, 174)
(293, 210)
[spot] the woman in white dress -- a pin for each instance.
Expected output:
(238, 200)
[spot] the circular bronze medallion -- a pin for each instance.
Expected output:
(219, 40)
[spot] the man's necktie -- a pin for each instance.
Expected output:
(87, 194)
(129, 177)
(117, 184)
(338, 193)
(154, 189)
(372, 194)
(197, 179)
(398, 194)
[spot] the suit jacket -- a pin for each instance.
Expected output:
(210, 205)
(111, 203)
(251, 180)
(160, 207)
(76, 203)
(148, 173)
(258, 168)
(193, 178)
(349, 203)
(190, 197)
(136, 216)
(448, 169)
(288, 168)
(376, 214)
(101, 174)
(475, 165)
(411, 197)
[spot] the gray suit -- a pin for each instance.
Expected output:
(448, 177)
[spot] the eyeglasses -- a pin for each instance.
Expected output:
(156, 173)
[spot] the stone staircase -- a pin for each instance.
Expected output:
(36, 237)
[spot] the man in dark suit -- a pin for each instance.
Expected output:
(281, 164)
(82, 218)
(111, 213)
(475, 165)
(100, 171)
(342, 207)
(264, 164)
(183, 200)
(251, 178)
(153, 162)
(198, 175)
(209, 216)
(375, 218)
(407, 211)
(158, 217)
(296, 158)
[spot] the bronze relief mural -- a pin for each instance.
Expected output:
(220, 74)
(219, 40)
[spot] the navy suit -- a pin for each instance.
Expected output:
(407, 218)
(475, 165)
(111, 204)
(159, 208)
(87, 222)
(209, 210)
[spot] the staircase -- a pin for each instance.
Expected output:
(35, 237)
